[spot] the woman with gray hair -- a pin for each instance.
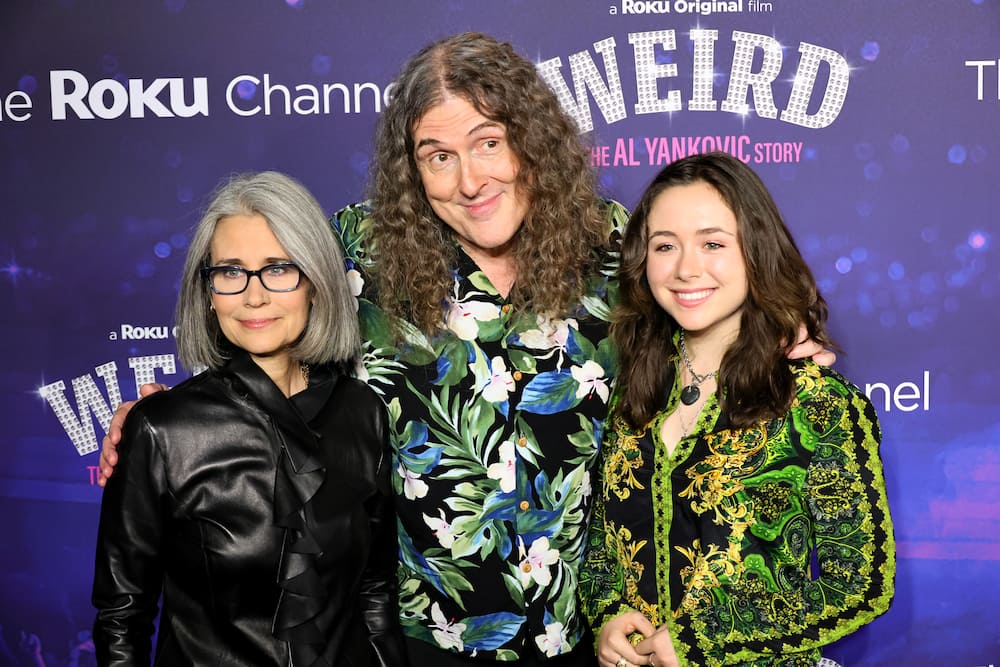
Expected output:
(255, 496)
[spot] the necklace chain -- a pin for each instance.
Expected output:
(691, 393)
(696, 379)
(685, 427)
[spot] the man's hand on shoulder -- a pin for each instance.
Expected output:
(109, 444)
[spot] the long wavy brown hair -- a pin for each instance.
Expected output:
(754, 381)
(554, 247)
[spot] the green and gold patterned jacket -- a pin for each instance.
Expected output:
(756, 546)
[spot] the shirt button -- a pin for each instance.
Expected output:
(522, 441)
(526, 567)
(517, 376)
(505, 308)
(524, 505)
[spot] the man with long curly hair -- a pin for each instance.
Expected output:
(487, 263)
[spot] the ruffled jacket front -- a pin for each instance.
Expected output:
(267, 523)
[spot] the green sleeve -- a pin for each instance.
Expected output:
(601, 581)
(782, 614)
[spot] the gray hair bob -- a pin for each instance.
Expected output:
(299, 225)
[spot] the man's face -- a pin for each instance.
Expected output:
(469, 173)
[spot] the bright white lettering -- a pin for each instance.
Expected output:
(744, 80)
(79, 426)
(804, 83)
(906, 396)
(108, 98)
(14, 102)
(980, 66)
(609, 97)
(244, 93)
(648, 71)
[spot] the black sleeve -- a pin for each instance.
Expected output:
(128, 572)
(379, 600)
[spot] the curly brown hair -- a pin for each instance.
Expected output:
(552, 250)
(754, 381)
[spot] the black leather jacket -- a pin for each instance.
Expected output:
(268, 528)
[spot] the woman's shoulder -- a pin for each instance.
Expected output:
(354, 425)
(360, 392)
(353, 404)
(180, 416)
(211, 396)
(202, 390)
(812, 378)
(824, 394)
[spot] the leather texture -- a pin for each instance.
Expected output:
(266, 523)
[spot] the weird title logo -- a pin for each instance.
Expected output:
(669, 77)
(745, 79)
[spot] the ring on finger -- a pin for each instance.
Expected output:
(622, 662)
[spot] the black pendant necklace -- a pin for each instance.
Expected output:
(691, 393)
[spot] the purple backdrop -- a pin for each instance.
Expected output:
(874, 124)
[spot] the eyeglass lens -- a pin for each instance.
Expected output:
(235, 279)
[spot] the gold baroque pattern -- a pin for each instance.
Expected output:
(623, 458)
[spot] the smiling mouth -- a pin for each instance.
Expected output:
(256, 324)
(693, 296)
(483, 206)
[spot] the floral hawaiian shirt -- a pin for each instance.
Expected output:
(497, 423)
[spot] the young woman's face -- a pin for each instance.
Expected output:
(262, 322)
(694, 263)
(469, 173)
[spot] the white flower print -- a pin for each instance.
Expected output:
(463, 317)
(413, 486)
(505, 470)
(591, 378)
(441, 528)
(355, 283)
(447, 635)
(553, 641)
(499, 384)
(551, 334)
(534, 565)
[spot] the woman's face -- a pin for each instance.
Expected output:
(694, 263)
(469, 173)
(262, 322)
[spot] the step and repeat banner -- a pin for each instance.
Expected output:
(876, 126)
